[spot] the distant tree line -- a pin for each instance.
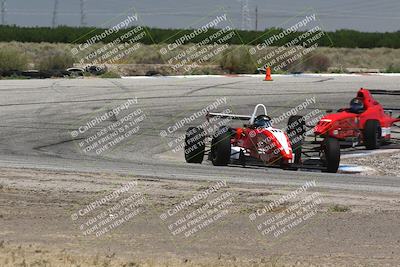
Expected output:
(64, 34)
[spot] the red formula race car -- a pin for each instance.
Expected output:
(365, 122)
(256, 143)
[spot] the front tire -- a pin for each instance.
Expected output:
(372, 134)
(194, 145)
(221, 147)
(331, 154)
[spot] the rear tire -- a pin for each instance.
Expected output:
(297, 125)
(331, 154)
(194, 145)
(296, 148)
(372, 134)
(221, 147)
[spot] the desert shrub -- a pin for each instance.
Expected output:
(12, 59)
(295, 66)
(312, 63)
(338, 208)
(110, 75)
(56, 61)
(146, 55)
(237, 60)
(392, 68)
(317, 63)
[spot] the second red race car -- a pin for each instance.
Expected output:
(365, 122)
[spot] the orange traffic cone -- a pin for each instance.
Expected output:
(268, 74)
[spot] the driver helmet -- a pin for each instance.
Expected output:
(356, 105)
(262, 121)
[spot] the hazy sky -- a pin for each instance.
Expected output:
(364, 15)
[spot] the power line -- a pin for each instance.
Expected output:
(83, 14)
(256, 28)
(55, 13)
(246, 20)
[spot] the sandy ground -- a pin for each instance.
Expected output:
(38, 229)
(381, 164)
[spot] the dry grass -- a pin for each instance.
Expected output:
(235, 59)
(338, 208)
(12, 59)
(376, 58)
(56, 60)
(33, 255)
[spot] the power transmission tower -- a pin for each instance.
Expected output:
(55, 13)
(256, 18)
(246, 20)
(3, 12)
(83, 14)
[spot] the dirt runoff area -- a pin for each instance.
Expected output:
(386, 163)
(56, 218)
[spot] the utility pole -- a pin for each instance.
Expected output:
(3, 12)
(246, 20)
(55, 13)
(83, 14)
(256, 18)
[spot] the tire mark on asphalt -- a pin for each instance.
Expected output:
(209, 87)
(119, 85)
(323, 80)
(57, 143)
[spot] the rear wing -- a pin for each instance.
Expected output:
(239, 117)
(386, 92)
(383, 92)
(231, 116)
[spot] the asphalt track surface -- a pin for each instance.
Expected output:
(38, 116)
